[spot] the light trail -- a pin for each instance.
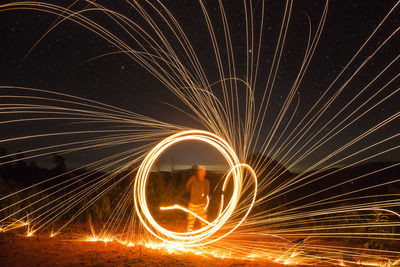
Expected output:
(202, 235)
(208, 203)
(299, 196)
(178, 207)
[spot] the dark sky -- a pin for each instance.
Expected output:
(56, 63)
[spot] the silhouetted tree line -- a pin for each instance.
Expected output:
(16, 172)
(300, 189)
(166, 188)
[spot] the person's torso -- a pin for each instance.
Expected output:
(198, 191)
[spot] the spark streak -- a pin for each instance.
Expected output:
(199, 236)
(300, 192)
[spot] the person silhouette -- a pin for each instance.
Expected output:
(199, 188)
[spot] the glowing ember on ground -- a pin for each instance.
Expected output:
(318, 144)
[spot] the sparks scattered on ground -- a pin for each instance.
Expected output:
(312, 157)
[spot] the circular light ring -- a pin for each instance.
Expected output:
(196, 237)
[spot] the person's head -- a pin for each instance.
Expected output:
(199, 171)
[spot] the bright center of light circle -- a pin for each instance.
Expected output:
(204, 234)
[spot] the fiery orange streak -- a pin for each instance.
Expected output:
(199, 236)
(178, 207)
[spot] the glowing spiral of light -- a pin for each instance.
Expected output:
(203, 235)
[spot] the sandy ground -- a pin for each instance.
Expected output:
(40, 250)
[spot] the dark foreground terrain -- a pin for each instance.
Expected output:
(40, 250)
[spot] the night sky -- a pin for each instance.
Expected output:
(58, 62)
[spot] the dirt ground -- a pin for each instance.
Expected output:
(40, 250)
